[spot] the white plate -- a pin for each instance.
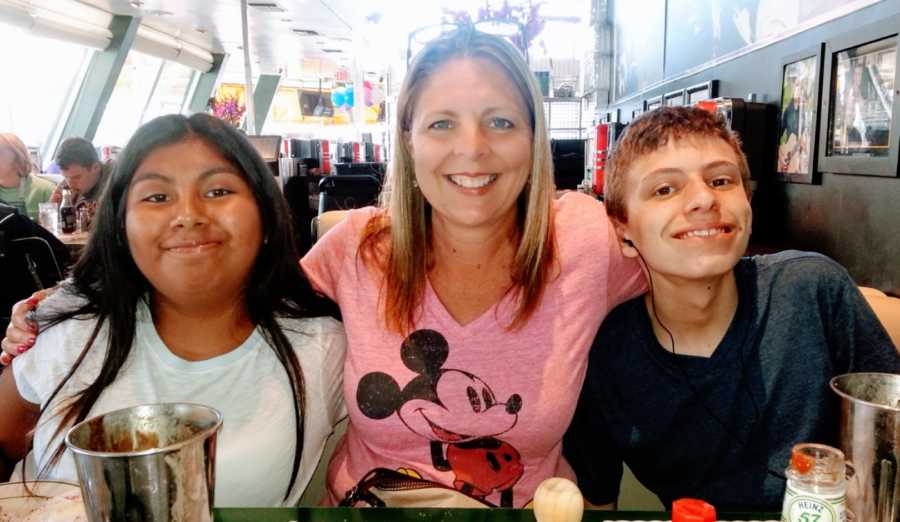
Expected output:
(16, 503)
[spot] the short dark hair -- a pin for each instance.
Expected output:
(76, 151)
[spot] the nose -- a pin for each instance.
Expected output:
(700, 196)
(471, 141)
(190, 211)
(514, 404)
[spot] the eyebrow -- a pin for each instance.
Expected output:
(148, 176)
(707, 167)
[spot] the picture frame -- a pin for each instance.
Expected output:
(796, 153)
(860, 129)
(652, 103)
(701, 92)
(674, 98)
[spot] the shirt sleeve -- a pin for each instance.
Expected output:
(334, 344)
(39, 370)
(591, 451)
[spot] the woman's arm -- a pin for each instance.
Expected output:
(17, 418)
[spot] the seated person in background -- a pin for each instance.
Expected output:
(189, 290)
(704, 384)
(84, 175)
(20, 236)
(20, 188)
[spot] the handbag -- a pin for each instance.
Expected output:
(382, 487)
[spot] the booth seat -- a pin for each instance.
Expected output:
(887, 308)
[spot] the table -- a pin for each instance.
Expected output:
(442, 515)
(77, 239)
(74, 242)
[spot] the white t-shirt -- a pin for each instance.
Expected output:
(255, 447)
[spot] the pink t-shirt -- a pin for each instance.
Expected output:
(475, 407)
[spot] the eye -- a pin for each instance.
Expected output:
(219, 192)
(474, 400)
(441, 125)
(156, 198)
(488, 398)
(721, 182)
(663, 191)
(500, 123)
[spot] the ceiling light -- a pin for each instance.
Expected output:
(271, 7)
(304, 32)
(157, 12)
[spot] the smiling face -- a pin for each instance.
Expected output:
(688, 213)
(192, 223)
(471, 142)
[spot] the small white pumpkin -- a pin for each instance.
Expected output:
(558, 500)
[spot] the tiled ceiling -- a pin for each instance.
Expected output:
(286, 33)
(281, 31)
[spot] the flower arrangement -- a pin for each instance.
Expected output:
(227, 108)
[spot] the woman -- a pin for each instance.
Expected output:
(471, 297)
(188, 290)
(18, 187)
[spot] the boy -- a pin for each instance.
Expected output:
(703, 385)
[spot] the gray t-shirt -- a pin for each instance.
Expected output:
(255, 447)
(721, 428)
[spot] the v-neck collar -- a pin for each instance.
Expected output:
(498, 313)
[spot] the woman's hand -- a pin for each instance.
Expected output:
(22, 331)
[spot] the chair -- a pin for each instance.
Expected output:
(346, 192)
(887, 309)
(324, 221)
(31, 259)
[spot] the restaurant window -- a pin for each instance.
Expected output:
(125, 108)
(172, 89)
(41, 78)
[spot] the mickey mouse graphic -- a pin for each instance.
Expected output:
(450, 407)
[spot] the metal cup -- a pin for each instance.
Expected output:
(870, 438)
(152, 462)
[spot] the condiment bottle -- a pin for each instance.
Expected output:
(67, 220)
(692, 510)
(816, 485)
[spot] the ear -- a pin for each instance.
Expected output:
(96, 168)
(624, 238)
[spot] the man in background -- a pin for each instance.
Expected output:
(83, 174)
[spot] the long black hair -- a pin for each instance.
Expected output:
(108, 279)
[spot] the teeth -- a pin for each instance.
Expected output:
(473, 182)
(704, 233)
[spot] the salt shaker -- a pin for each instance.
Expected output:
(816, 485)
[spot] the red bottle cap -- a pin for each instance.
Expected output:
(692, 510)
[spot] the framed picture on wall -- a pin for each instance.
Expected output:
(701, 91)
(652, 103)
(674, 98)
(862, 125)
(798, 117)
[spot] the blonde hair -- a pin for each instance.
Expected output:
(398, 240)
(20, 152)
